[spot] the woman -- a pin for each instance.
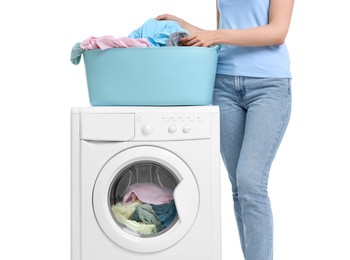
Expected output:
(252, 89)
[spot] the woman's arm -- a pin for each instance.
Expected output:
(187, 26)
(274, 33)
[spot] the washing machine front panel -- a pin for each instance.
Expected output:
(114, 200)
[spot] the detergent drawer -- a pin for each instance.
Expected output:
(107, 127)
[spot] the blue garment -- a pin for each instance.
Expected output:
(156, 32)
(144, 213)
(254, 114)
(76, 53)
(165, 213)
(266, 61)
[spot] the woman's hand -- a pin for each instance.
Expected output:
(187, 26)
(202, 38)
(169, 17)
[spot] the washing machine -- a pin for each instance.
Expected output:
(145, 183)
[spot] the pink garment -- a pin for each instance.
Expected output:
(149, 193)
(107, 42)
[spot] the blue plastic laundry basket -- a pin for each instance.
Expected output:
(151, 76)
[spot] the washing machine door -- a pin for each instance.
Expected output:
(145, 199)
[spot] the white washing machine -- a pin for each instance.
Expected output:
(145, 183)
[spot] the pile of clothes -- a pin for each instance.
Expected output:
(153, 33)
(145, 209)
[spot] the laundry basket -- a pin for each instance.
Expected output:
(155, 76)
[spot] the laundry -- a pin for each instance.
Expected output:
(146, 214)
(104, 43)
(165, 213)
(127, 210)
(175, 38)
(140, 228)
(76, 53)
(149, 193)
(145, 219)
(157, 32)
(152, 33)
(107, 42)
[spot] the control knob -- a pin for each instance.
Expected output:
(146, 129)
(186, 129)
(172, 129)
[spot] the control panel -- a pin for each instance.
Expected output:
(160, 126)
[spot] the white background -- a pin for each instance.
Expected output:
(309, 181)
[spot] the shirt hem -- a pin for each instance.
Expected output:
(255, 75)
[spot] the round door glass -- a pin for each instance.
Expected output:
(141, 199)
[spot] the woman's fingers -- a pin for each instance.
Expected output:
(167, 17)
(191, 40)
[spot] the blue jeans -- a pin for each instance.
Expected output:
(254, 114)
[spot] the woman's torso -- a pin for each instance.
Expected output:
(266, 61)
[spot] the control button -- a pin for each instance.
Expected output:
(183, 118)
(139, 119)
(186, 129)
(147, 129)
(172, 129)
(166, 118)
(191, 119)
(175, 118)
